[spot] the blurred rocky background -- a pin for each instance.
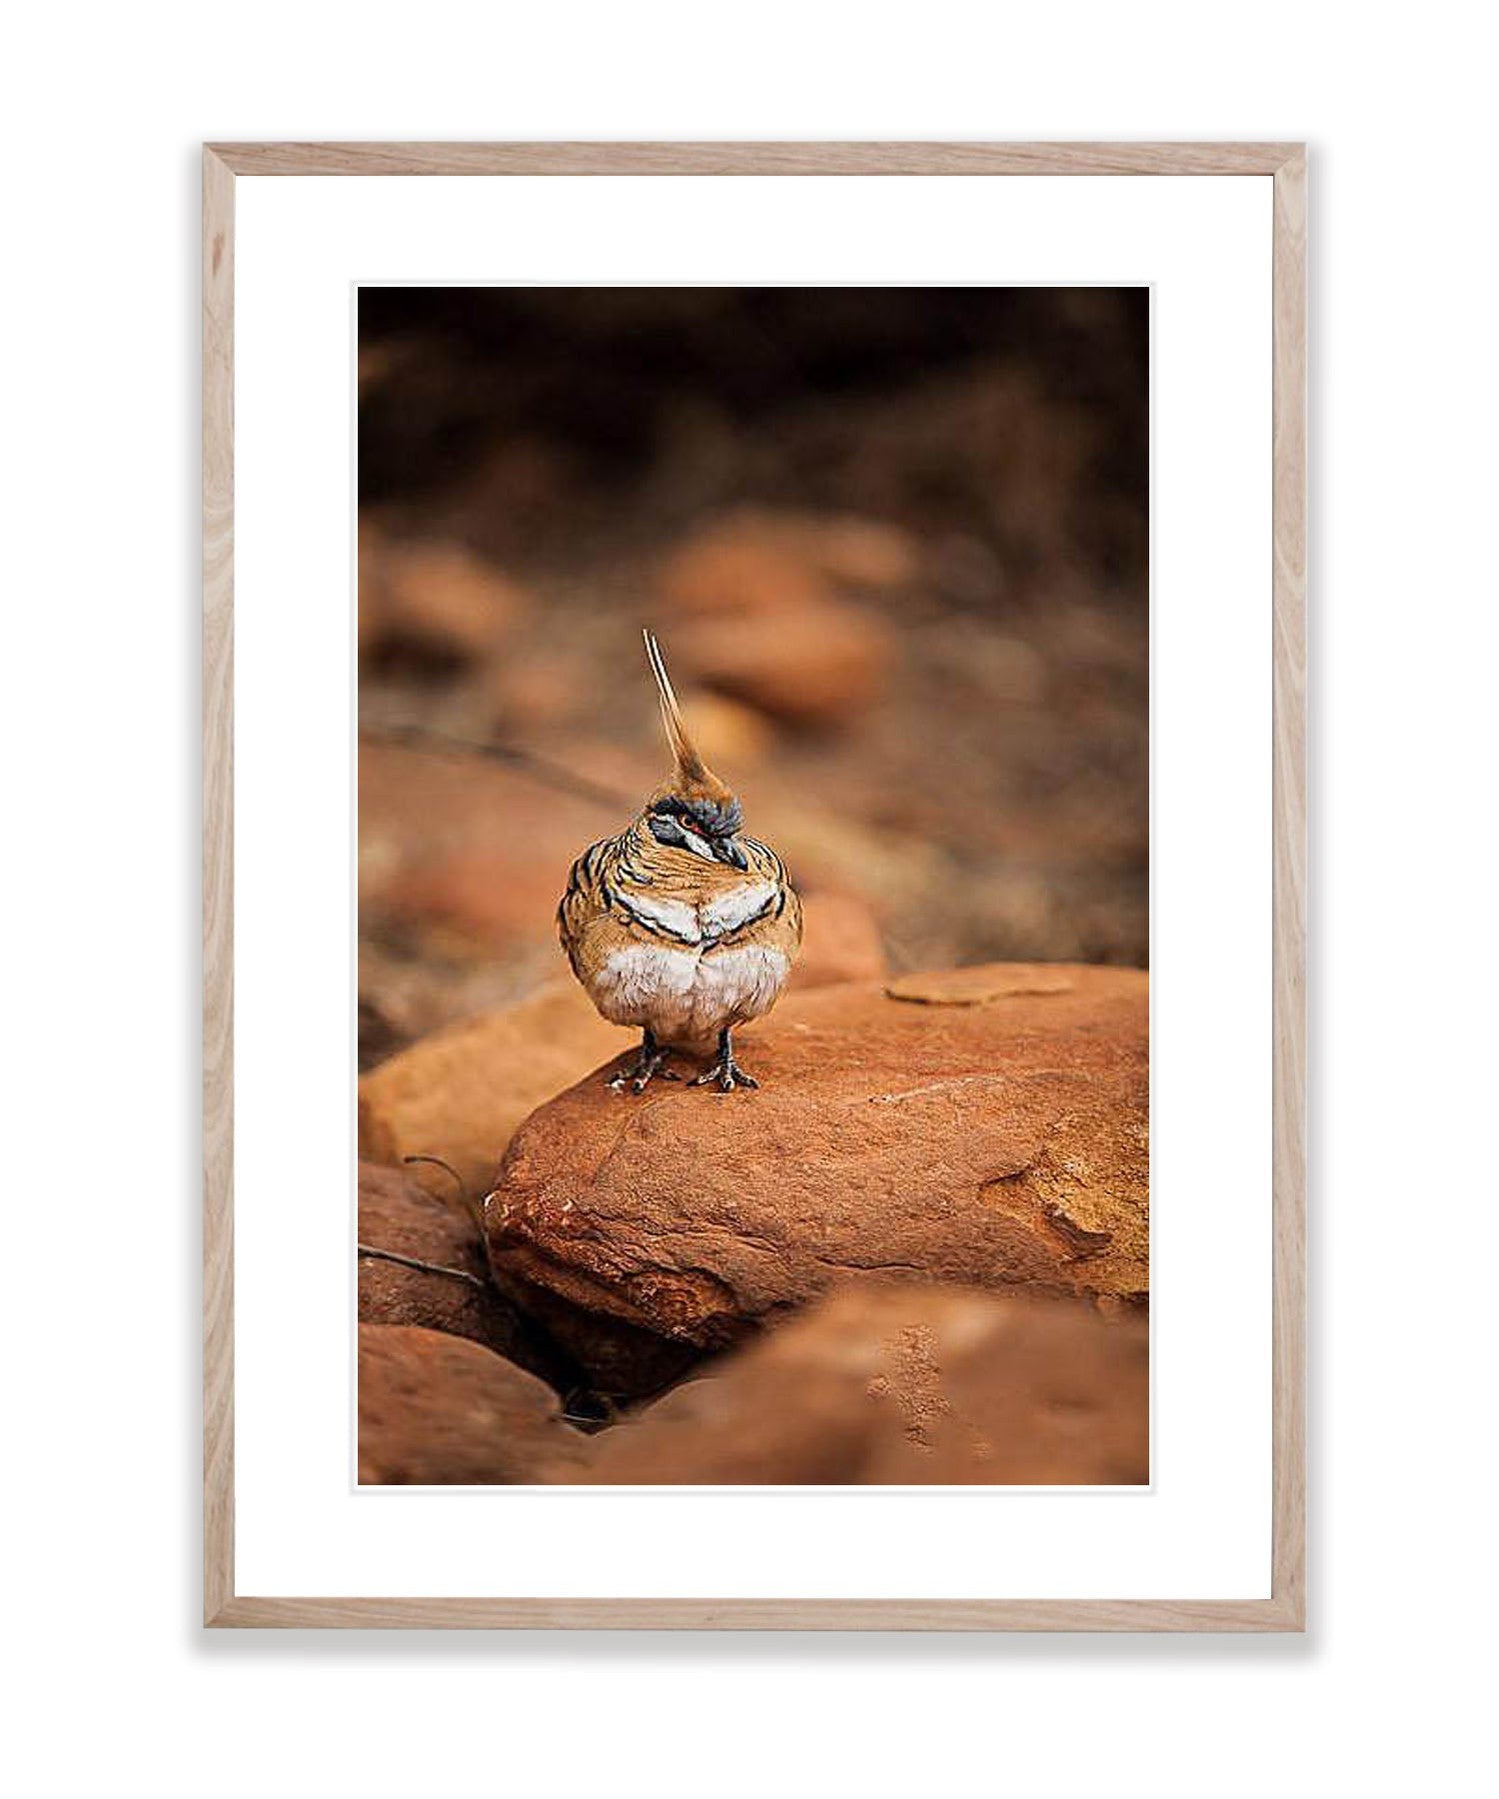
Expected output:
(895, 544)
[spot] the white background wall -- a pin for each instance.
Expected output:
(113, 1681)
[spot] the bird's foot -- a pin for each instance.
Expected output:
(649, 1065)
(726, 1074)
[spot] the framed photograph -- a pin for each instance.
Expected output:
(754, 820)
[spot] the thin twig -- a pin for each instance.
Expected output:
(472, 1207)
(457, 1274)
(444, 743)
(447, 1168)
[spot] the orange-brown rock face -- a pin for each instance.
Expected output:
(439, 1410)
(813, 666)
(840, 942)
(431, 600)
(905, 1385)
(993, 1135)
(460, 1093)
(761, 613)
(772, 562)
(476, 852)
(396, 1217)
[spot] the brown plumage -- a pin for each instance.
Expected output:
(680, 925)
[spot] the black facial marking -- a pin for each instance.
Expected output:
(666, 829)
(707, 817)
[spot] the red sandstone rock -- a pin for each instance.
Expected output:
(980, 986)
(477, 900)
(863, 552)
(1000, 1143)
(726, 732)
(738, 568)
(905, 1385)
(398, 1217)
(419, 804)
(440, 1410)
(432, 599)
(816, 664)
(762, 617)
(470, 854)
(766, 562)
(840, 942)
(460, 1093)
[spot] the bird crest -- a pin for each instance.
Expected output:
(691, 780)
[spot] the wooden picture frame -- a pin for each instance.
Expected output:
(1285, 163)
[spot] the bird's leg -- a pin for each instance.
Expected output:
(650, 1061)
(725, 1071)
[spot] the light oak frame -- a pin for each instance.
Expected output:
(1285, 163)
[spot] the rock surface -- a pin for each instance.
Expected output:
(432, 601)
(477, 902)
(768, 562)
(905, 1385)
(399, 1217)
(440, 1410)
(472, 851)
(841, 941)
(762, 613)
(738, 568)
(460, 1093)
(727, 733)
(462, 860)
(816, 665)
(999, 1142)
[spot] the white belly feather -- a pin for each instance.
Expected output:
(690, 990)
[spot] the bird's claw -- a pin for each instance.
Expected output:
(642, 1071)
(727, 1075)
(642, 1081)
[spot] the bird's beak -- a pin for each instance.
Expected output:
(731, 850)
